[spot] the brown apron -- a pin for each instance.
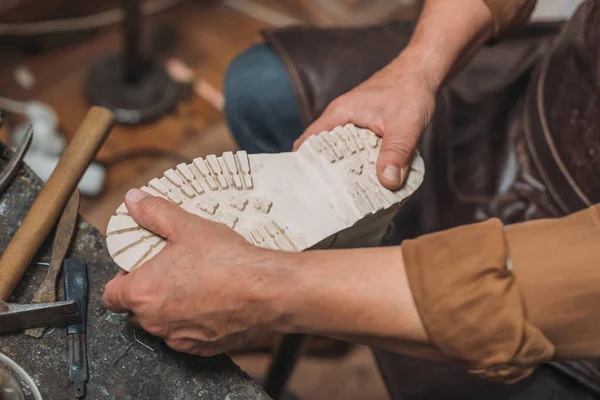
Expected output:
(516, 135)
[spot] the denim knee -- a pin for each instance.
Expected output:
(260, 104)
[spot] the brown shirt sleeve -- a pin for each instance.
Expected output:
(509, 13)
(502, 300)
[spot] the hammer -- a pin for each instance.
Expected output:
(44, 213)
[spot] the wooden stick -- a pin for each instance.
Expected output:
(49, 204)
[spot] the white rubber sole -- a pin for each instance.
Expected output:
(324, 195)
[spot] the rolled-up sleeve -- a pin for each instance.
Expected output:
(502, 300)
(509, 13)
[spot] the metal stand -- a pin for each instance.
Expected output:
(134, 87)
(283, 364)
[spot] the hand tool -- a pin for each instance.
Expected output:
(76, 288)
(52, 198)
(62, 238)
(15, 317)
(12, 167)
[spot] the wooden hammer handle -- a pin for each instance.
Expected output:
(53, 197)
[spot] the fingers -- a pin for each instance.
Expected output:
(156, 214)
(116, 292)
(394, 159)
(200, 348)
(335, 115)
(320, 125)
(129, 292)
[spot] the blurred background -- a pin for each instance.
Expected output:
(57, 56)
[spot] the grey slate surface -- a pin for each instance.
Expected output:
(140, 374)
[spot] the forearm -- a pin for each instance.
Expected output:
(359, 295)
(448, 33)
(452, 294)
(502, 318)
(555, 264)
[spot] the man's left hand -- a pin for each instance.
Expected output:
(206, 292)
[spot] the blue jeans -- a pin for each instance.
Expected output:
(261, 108)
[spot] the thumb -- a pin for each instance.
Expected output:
(156, 214)
(115, 295)
(394, 159)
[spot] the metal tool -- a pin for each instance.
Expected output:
(15, 317)
(12, 167)
(62, 239)
(76, 288)
(54, 195)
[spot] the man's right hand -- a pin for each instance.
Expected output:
(396, 103)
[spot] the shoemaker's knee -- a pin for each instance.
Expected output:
(258, 94)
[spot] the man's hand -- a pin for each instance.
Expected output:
(396, 103)
(205, 292)
(209, 291)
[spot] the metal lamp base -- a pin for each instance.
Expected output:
(144, 99)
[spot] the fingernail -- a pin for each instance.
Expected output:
(135, 195)
(393, 174)
(404, 173)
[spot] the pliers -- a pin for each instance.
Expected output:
(14, 162)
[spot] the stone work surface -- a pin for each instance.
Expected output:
(116, 372)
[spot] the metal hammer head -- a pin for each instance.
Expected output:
(15, 317)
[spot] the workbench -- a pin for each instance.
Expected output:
(120, 367)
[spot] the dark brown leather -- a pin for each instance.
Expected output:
(516, 135)
(410, 378)
(324, 63)
(562, 111)
(474, 139)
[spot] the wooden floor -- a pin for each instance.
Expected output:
(194, 129)
(208, 35)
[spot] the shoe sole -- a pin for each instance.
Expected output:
(324, 195)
